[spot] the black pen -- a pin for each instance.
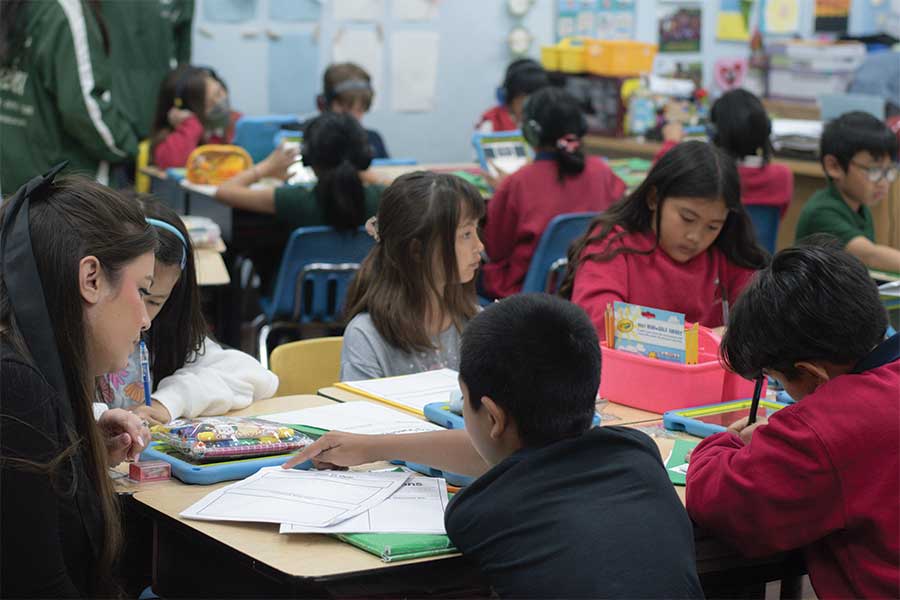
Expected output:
(754, 404)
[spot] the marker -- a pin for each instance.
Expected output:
(754, 404)
(145, 373)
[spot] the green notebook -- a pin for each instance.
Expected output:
(392, 547)
(676, 466)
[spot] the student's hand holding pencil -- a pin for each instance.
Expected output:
(741, 429)
(337, 450)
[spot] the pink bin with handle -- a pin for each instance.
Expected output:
(657, 385)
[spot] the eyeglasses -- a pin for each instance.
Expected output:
(876, 174)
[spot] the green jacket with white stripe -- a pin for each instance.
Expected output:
(55, 99)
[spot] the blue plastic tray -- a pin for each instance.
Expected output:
(688, 419)
(205, 474)
(440, 413)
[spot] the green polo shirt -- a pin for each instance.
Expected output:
(827, 212)
(297, 206)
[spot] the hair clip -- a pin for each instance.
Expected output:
(569, 143)
(372, 228)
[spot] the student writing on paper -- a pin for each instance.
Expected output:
(192, 109)
(560, 180)
(335, 147)
(822, 475)
(741, 127)
(415, 291)
(558, 509)
(859, 155)
(77, 259)
(682, 241)
(191, 375)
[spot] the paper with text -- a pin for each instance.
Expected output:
(409, 392)
(310, 498)
(417, 507)
(355, 417)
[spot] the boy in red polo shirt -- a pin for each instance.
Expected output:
(822, 474)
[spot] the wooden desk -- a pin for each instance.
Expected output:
(808, 178)
(211, 269)
(166, 189)
(388, 174)
(610, 412)
(200, 558)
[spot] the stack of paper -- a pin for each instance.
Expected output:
(408, 392)
(355, 417)
(329, 502)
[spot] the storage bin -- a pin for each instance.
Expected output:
(618, 58)
(658, 385)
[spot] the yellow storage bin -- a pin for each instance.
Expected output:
(618, 58)
(567, 56)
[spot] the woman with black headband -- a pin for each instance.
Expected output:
(76, 260)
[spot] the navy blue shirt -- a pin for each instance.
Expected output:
(594, 516)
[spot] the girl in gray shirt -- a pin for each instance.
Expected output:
(415, 291)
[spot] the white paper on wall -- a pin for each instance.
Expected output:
(364, 47)
(414, 10)
(414, 62)
(358, 10)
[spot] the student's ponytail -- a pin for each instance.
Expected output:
(569, 156)
(346, 206)
(337, 148)
(553, 121)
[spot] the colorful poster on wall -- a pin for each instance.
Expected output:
(781, 17)
(566, 18)
(584, 18)
(614, 20)
(832, 16)
(680, 26)
(733, 23)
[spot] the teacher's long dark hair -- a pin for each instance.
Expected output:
(69, 219)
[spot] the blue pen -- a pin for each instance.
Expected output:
(145, 373)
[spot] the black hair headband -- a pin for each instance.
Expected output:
(348, 85)
(24, 289)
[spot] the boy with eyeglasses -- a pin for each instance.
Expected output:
(859, 156)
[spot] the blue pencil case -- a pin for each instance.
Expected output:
(206, 474)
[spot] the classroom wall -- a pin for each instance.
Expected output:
(274, 65)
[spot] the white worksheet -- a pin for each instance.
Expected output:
(417, 507)
(309, 498)
(410, 392)
(355, 417)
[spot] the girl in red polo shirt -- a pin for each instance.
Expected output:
(561, 180)
(741, 127)
(682, 242)
(192, 109)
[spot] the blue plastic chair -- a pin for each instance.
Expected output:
(312, 281)
(549, 258)
(766, 220)
(256, 134)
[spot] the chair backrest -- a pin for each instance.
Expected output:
(256, 134)
(766, 220)
(553, 245)
(307, 366)
(323, 261)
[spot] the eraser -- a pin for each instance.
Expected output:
(150, 470)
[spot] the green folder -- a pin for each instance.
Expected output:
(675, 464)
(392, 547)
